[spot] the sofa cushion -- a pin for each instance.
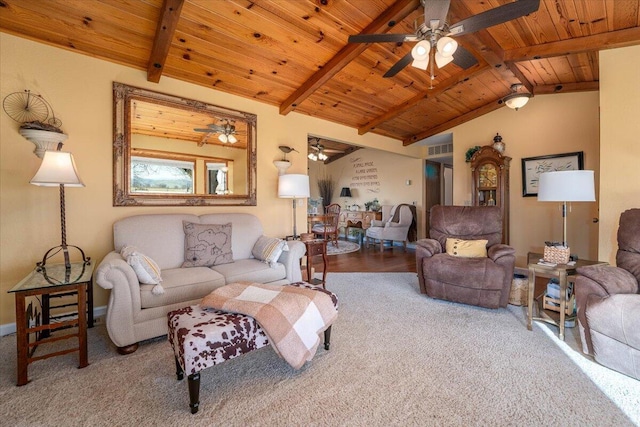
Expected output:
(467, 248)
(269, 249)
(206, 245)
(182, 284)
(251, 270)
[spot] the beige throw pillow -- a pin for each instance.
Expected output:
(206, 245)
(467, 248)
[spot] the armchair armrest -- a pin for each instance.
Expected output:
(428, 247)
(377, 223)
(606, 280)
(500, 250)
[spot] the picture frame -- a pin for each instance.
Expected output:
(532, 167)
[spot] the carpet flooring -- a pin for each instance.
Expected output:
(396, 358)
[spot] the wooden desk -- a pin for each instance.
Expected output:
(559, 271)
(316, 247)
(357, 219)
(45, 281)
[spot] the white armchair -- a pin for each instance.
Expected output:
(394, 226)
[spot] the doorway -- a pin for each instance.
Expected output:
(438, 187)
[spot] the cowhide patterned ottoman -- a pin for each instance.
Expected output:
(202, 338)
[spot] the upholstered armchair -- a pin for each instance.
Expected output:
(470, 272)
(608, 302)
(329, 229)
(394, 226)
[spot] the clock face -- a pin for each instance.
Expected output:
(488, 176)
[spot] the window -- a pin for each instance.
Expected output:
(156, 175)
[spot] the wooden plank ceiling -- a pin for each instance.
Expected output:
(294, 54)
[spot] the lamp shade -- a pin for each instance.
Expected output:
(566, 186)
(293, 186)
(345, 192)
(57, 168)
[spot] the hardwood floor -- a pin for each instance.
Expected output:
(369, 259)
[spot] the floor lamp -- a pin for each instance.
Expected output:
(59, 169)
(293, 186)
(566, 186)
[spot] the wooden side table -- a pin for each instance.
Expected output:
(316, 247)
(559, 271)
(45, 281)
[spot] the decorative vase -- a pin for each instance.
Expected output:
(44, 140)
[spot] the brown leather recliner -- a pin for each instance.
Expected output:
(483, 281)
(608, 302)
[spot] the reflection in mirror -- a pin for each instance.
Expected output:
(171, 151)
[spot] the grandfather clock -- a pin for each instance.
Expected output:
(490, 187)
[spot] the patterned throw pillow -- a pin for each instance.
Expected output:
(467, 248)
(206, 245)
(145, 268)
(269, 249)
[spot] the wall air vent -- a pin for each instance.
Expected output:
(438, 150)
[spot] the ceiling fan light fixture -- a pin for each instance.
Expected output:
(442, 60)
(223, 138)
(322, 156)
(447, 46)
(232, 139)
(312, 156)
(420, 51)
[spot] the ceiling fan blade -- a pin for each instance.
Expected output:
(379, 38)
(398, 66)
(208, 130)
(494, 16)
(436, 9)
(463, 58)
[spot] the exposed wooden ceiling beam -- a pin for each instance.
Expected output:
(383, 23)
(442, 87)
(566, 88)
(487, 108)
(164, 35)
(614, 39)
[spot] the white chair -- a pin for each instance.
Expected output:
(392, 227)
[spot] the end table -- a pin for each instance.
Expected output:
(316, 247)
(45, 281)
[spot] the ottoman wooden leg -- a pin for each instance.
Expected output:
(327, 338)
(194, 391)
(179, 371)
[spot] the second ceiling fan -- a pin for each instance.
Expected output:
(435, 36)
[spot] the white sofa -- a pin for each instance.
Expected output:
(135, 314)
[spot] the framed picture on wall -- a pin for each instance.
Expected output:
(532, 167)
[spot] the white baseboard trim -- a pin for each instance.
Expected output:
(98, 313)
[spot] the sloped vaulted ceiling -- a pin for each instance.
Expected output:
(295, 54)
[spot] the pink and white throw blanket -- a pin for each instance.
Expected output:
(292, 317)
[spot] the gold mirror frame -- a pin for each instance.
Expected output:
(122, 97)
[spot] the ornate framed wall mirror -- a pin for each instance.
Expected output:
(172, 151)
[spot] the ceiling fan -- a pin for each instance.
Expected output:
(321, 150)
(227, 131)
(434, 34)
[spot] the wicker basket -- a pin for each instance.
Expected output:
(553, 304)
(557, 255)
(519, 287)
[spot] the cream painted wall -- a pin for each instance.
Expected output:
(80, 89)
(620, 142)
(357, 171)
(548, 124)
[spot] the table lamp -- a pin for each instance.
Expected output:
(345, 192)
(566, 186)
(59, 169)
(293, 186)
